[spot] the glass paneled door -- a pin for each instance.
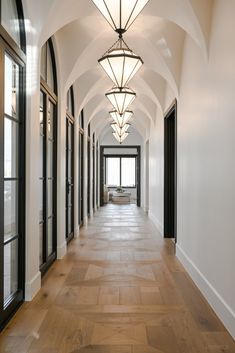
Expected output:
(69, 180)
(47, 222)
(12, 192)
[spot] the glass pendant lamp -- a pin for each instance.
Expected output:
(121, 98)
(120, 130)
(120, 138)
(121, 119)
(120, 63)
(120, 14)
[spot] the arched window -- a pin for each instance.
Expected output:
(12, 20)
(48, 66)
(12, 157)
(48, 159)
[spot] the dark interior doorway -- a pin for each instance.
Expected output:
(170, 173)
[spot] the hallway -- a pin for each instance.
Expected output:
(119, 289)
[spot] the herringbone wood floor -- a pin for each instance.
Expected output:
(120, 289)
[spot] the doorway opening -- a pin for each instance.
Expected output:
(170, 173)
(120, 175)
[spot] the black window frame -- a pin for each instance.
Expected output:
(17, 54)
(50, 95)
(81, 170)
(120, 157)
(69, 183)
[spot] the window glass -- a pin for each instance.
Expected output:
(10, 209)
(128, 172)
(9, 19)
(70, 101)
(113, 171)
(10, 148)
(10, 269)
(11, 88)
(47, 72)
(44, 62)
(50, 75)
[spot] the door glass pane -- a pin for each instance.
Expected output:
(41, 243)
(41, 201)
(10, 209)
(50, 159)
(113, 171)
(11, 87)
(9, 19)
(69, 220)
(50, 197)
(51, 108)
(10, 149)
(10, 269)
(50, 236)
(128, 172)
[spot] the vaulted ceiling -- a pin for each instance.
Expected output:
(82, 35)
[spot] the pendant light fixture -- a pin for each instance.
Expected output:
(120, 138)
(121, 98)
(120, 63)
(120, 130)
(121, 119)
(120, 14)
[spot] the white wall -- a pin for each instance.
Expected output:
(156, 169)
(206, 172)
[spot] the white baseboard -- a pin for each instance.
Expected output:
(61, 251)
(222, 309)
(32, 287)
(76, 232)
(156, 222)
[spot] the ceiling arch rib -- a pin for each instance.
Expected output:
(182, 12)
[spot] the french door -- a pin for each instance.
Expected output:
(88, 177)
(81, 177)
(69, 178)
(47, 178)
(12, 182)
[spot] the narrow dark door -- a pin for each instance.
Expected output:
(88, 177)
(69, 180)
(93, 174)
(170, 176)
(81, 178)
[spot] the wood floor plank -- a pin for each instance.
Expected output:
(119, 289)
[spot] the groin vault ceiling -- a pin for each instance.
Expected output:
(82, 35)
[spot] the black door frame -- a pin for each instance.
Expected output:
(170, 173)
(69, 181)
(49, 259)
(8, 308)
(81, 177)
(138, 170)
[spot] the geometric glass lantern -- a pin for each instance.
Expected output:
(120, 63)
(120, 130)
(120, 14)
(121, 98)
(122, 119)
(120, 138)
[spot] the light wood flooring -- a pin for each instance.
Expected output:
(120, 289)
